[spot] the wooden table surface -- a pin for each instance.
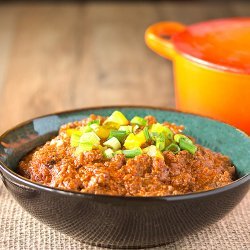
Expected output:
(62, 56)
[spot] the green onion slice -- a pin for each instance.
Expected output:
(108, 153)
(74, 140)
(168, 133)
(120, 135)
(160, 141)
(184, 145)
(168, 142)
(173, 147)
(90, 137)
(177, 138)
(118, 152)
(135, 128)
(154, 135)
(83, 147)
(152, 151)
(146, 133)
(139, 121)
(86, 129)
(159, 128)
(130, 153)
(98, 122)
(94, 126)
(113, 143)
(128, 129)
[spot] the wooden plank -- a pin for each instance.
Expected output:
(7, 27)
(41, 65)
(241, 8)
(119, 67)
(70, 56)
(193, 11)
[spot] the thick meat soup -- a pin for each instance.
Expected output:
(115, 156)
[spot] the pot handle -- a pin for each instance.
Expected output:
(158, 35)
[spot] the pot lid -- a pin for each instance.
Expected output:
(223, 44)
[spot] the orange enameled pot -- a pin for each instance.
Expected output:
(211, 66)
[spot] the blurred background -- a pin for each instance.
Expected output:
(63, 55)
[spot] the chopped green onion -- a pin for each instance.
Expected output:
(152, 151)
(168, 133)
(118, 152)
(173, 148)
(167, 142)
(185, 145)
(130, 153)
(160, 141)
(108, 153)
(113, 143)
(146, 133)
(86, 129)
(98, 122)
(91, 138)
(83, 147)
(135, 127)
(139, 121)
(74, 140)
(177, 138)
(120, 135)
(94, 126)
(154, 135)
(127, 129)
(159, 128)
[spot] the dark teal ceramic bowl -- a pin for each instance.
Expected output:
(125, 222)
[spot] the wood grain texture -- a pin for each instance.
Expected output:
(7, 27)
(63, 56)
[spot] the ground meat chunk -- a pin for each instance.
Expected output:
(90, 156)
(139, 166)
(116, 162)
(150, 119)
(174, 127)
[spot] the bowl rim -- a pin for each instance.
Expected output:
(179, 197)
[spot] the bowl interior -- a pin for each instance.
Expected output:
(217, 136)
